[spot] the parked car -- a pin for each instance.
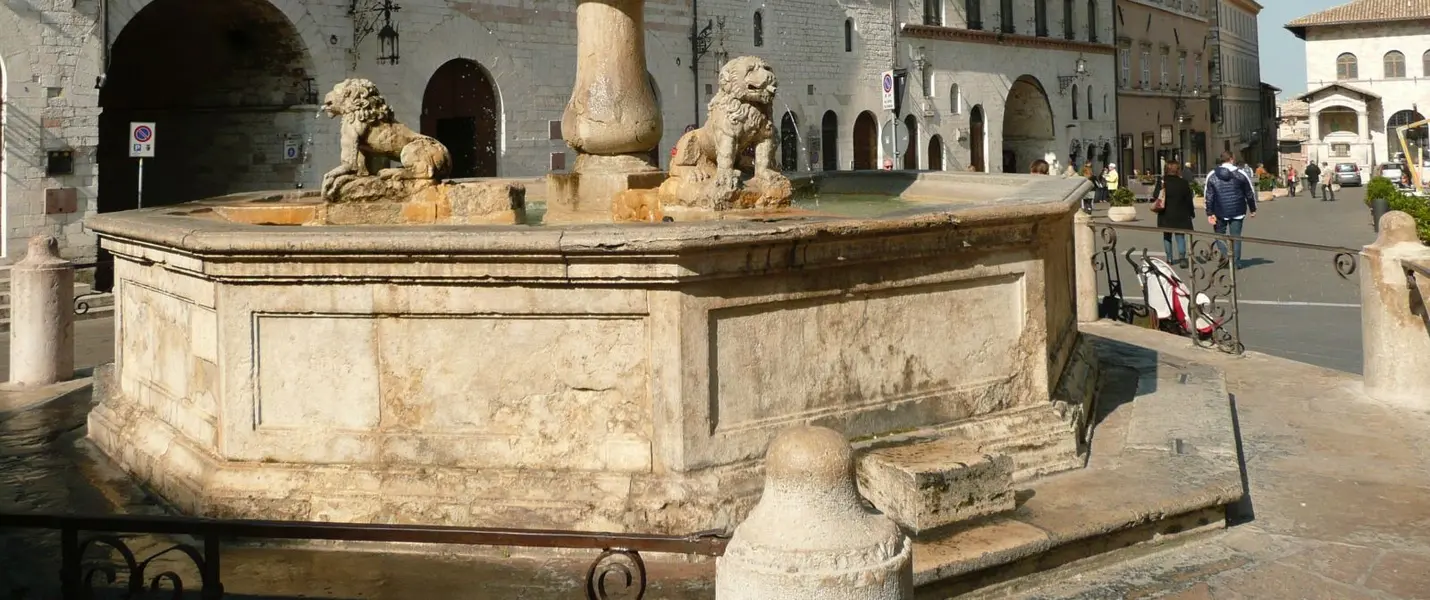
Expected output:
(1348, 174)
(1392, 171)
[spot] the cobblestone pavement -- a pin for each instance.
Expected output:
(1339, 498)
(1292, 302)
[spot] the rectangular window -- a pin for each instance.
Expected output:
(1164, 69)
(933, 12)
(1124, 56)
(973, 9)
(1182, 70)
(1040, 17)
(1199, 70)
(1146, 79)
(1068, 20)
(1340, 150)
(1005, 14)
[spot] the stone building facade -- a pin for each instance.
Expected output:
(1163, 94)
(1001, 83)
(1367, 72)
(233, 88)
(1237, 104)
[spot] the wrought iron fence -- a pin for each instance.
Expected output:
(1202, 306)
(88, 545)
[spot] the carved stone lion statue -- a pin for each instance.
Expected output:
(705, 168)
(370, 131)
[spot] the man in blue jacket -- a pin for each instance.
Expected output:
(1230, 200)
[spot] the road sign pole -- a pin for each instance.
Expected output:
(141, 182)
(894, 135)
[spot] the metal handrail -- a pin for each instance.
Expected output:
(619, 562)
(1241, 238)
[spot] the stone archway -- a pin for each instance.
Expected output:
(866, 141)
(462, 109)
(789, 143)
(1415, 137)
(829, 141)
(1027, 122)
(225, 84)
(936, 153)
(911, 150)
(977, 141)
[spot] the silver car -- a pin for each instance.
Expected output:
(1348, 174)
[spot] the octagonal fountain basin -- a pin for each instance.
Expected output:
(618, 377)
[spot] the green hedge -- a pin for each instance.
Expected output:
(1416, 207)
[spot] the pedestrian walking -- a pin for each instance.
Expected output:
(1172, 201)
(1111, 177)
(1313, 175)
(1230, 200)
(1328, 187)
(1291, 182)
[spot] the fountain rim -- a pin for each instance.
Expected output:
(155, 226)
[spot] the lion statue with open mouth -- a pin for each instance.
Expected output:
(705, 169)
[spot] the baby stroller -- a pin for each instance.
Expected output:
(1170, 299)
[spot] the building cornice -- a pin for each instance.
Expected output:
(954, 34)
(1250, 6)
(1169, 10)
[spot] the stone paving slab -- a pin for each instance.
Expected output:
(1338, 504)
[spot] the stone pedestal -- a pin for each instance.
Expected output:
(1395, 332)
(41, 316)
(1085, 245)
(612, 120)
(810, 536)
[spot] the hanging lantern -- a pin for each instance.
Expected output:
(387, 39)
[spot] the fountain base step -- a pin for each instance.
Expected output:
(928, 485)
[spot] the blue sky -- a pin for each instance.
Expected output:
(1283, 55)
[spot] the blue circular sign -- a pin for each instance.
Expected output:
(888, 82)
(292, 152)
(143, 133)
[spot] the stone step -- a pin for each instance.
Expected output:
(926, 485)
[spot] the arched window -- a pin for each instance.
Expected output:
(759, 29)
(973, 9)
(1394, 64)
(1040, 18)
(1346, 67)
(1068, 20)
(955, 100)
(849, 35)
(1074, 100)
(933, 12)
(1089, 102)
(1092, 21)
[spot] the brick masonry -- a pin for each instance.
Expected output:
(226, 133)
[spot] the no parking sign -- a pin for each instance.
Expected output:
(141, 140)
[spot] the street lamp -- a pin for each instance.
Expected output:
(1079, 72)
(387, 44)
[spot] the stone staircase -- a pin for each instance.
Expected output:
(99, 305)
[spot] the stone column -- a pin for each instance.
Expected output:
(41, 316)
(810, 535)
(1084, 246)
(1394, 331)
(612, 121)
(1366, 140)
(1314, 157)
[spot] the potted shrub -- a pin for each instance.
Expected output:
(1199, 191)
(1122, 209)
(1264, 187)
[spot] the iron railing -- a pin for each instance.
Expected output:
(82, 301)
(83, 565)
(1417, 275)
(1210, 294)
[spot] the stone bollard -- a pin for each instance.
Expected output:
(1395, 336)
(41, 317)
(810, 537)
(1084, 245)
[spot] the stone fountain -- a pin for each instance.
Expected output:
(372, 367)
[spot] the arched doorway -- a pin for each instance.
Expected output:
(1027, 123)
(461, 108)
(976, 141)
(866, 141)
(829, 141)
(224, 83)
(936, 153)
(1415, 137)
(655, 153)
(911, 151)
(789, 143)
